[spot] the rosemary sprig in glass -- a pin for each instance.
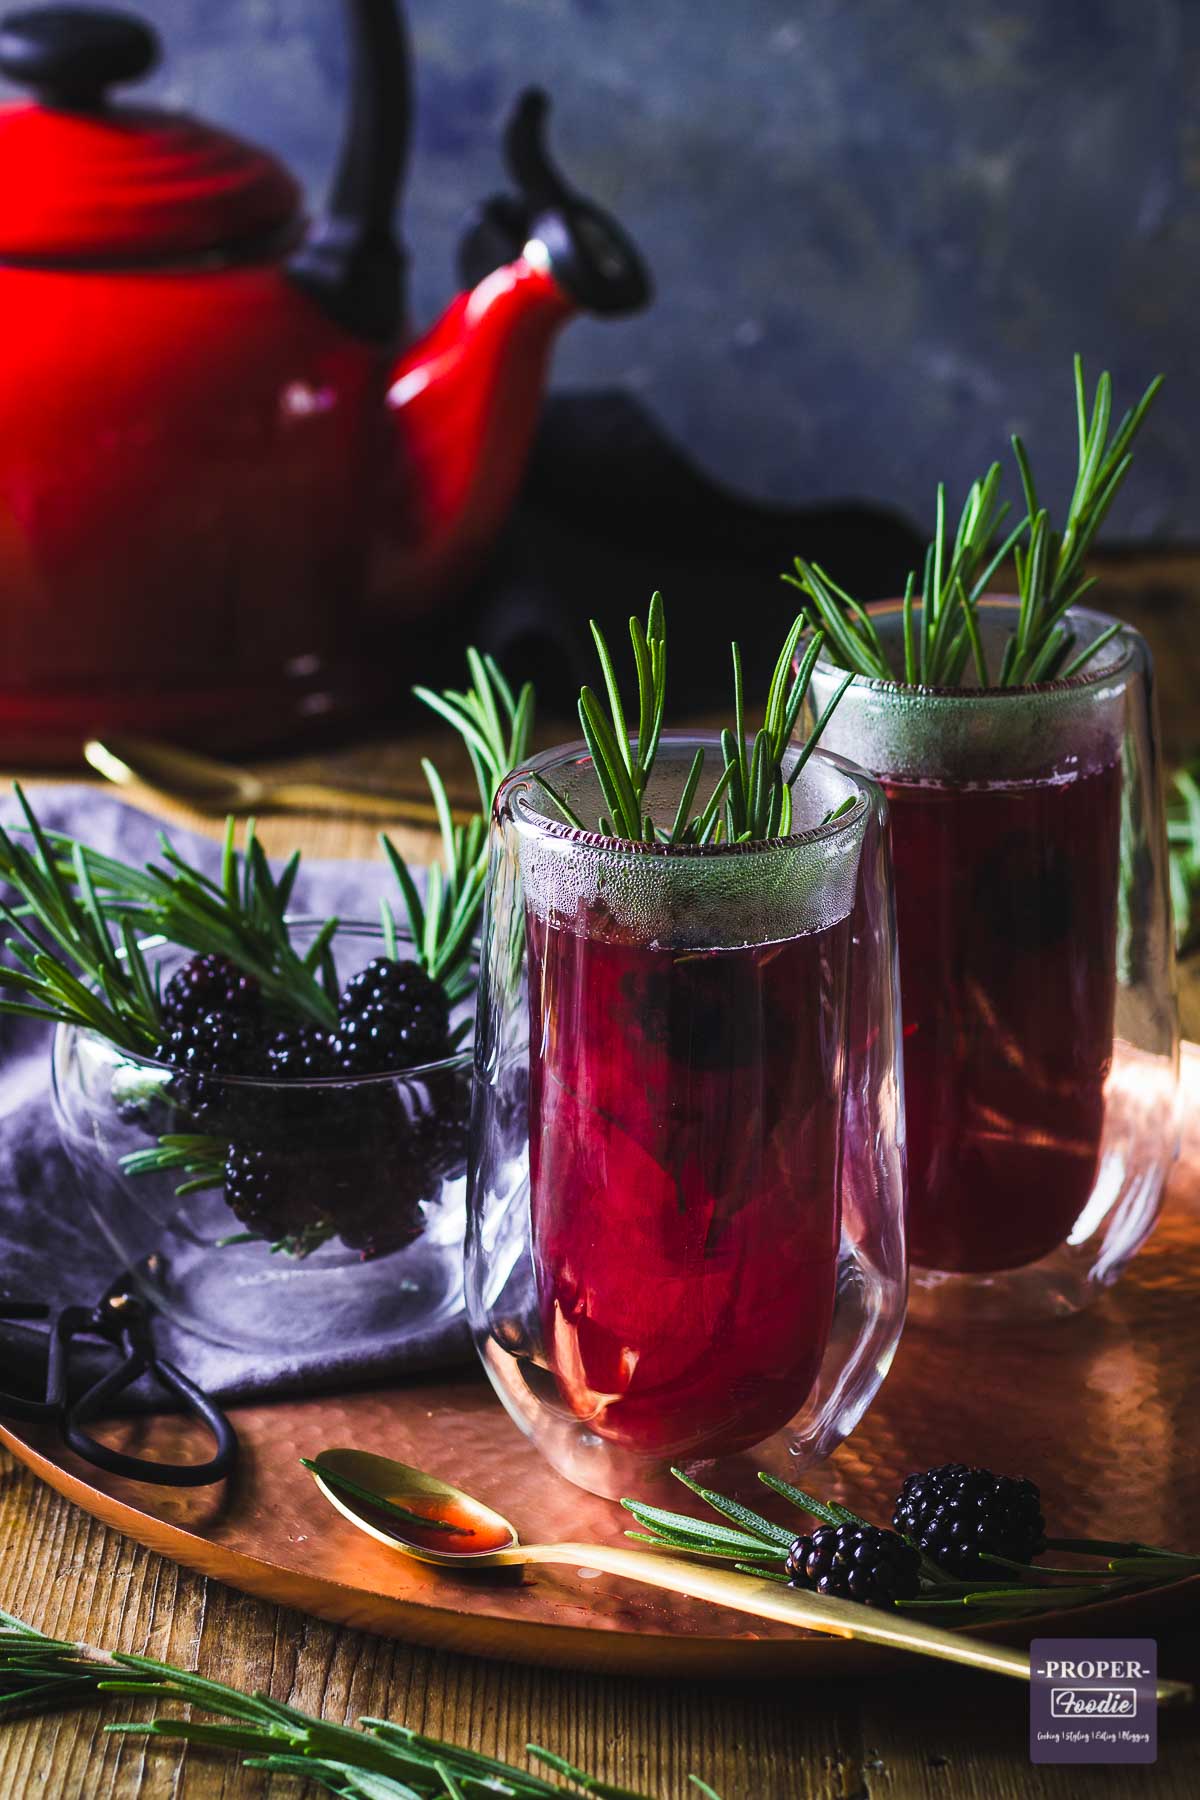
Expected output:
(80, 915)
(496, 726)
(373, 1760)
(1049, 566)
(71, 969)
(1049, 570)
(757, 794)
(758, 1546)
(956, 575)
(623, 762)
(242, 915)
(752, 797)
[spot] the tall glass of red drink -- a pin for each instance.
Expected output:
(1037, 983)
(686, 1175)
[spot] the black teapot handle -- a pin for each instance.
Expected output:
(591, 256)
(350, 262)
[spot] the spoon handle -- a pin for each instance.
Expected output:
(319, 796)
(795, 1606)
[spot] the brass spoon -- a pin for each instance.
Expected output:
(222, 788)
(351, 1479)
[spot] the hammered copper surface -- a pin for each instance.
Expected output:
(1099, 1410)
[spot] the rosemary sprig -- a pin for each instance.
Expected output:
(199, 1157)
(757, 794)
(75, 966)
(956, 574)
(496, 726)
(335, 1478)
(758, 1546)
(939, 646)
(1049, 567)
(1183, 845)
(623, 763)
(242, 914)
(373, 1760)
(751, 800)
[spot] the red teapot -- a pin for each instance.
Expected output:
(221, 456)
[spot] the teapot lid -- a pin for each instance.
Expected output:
(83, 182)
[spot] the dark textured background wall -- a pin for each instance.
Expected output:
(879, 227)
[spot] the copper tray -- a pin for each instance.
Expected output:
(1099, 1410)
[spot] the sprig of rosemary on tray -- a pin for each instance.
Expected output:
(759, 1546)
(375, 1759)
(1049, 570)
(752, 798)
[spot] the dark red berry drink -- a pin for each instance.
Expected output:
(1006, 900)
(685, 1153)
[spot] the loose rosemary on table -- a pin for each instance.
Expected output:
(373, 1760)
(752, 798)
(941, 635)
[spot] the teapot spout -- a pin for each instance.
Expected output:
(464, 400)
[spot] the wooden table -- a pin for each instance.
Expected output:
(923, 1733)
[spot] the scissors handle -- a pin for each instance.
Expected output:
(139, 1362)
(120, 1321)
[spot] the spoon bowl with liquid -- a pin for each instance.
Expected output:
(422, 1517)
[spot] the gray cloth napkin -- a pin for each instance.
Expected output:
(50, 1247)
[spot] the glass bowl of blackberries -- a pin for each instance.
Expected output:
(287, 1168)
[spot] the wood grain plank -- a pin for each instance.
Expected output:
(71, 1576)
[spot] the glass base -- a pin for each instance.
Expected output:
(530, 1396)
(247, 1297)
(1063, 1283)
(1139, 1146)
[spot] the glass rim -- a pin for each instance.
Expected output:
(577, 750)
(363, 928)
(1086, 678)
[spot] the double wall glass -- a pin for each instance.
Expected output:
(1041, 1036)
(685, 1183)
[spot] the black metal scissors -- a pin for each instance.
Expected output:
(120, 1321)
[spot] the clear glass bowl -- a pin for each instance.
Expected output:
(686, 1190)
(1041, 1040)
(359, 1182)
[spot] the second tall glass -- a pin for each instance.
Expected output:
(1040, 1031)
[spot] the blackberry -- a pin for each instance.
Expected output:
(272, 1196)
(855, 1562)
(208, 984)
(301, 1053)
(214, 1043)
(391, 1015)
(954, 1513)
(381, 1211)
